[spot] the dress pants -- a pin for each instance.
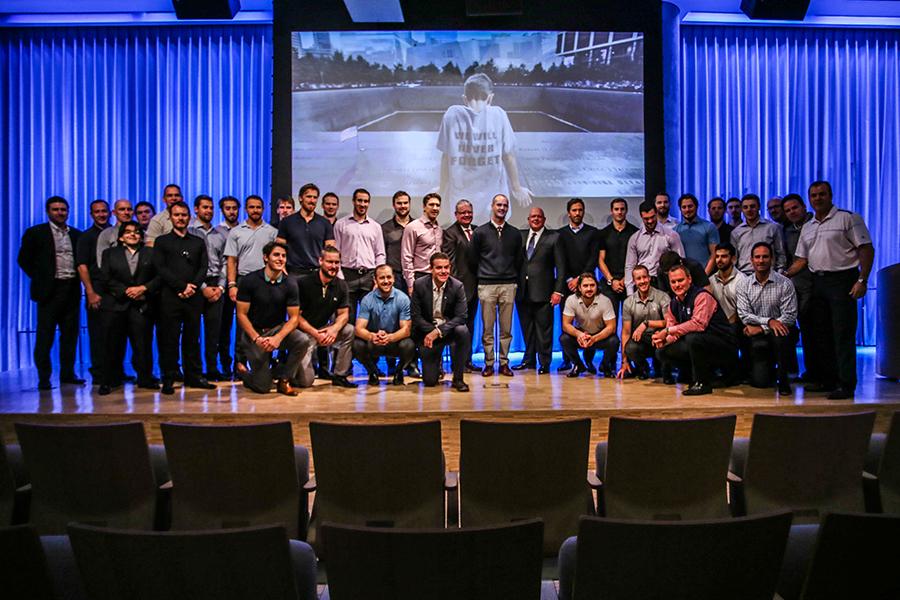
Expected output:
(61, 310)
(358, 285)
(459, 340)
(496, 298)
(610, 347)
(638, 352)
(306, 373)
(179, 320)
(768, 350)
(701, 351)
(617, 298)
(536, 319)
(260, 376)
(225, 325)
(96, 343)
(367, 353)
(212, 329)
(832, 330)
(129, 325)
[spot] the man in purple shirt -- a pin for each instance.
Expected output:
(421, 238)
(361, 243)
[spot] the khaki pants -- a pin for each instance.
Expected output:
(496, 298)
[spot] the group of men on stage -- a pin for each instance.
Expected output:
(704, 302)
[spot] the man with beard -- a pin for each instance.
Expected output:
(589, 323)
(716, 209)
(392, 229)
(305, 232)
(88, 272)
(663, 205)
(613, 243)
(733, 210)
(647, 245)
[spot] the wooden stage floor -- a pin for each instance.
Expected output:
(525, 397)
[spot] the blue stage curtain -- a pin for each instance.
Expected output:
(769, 110)
(118, 112)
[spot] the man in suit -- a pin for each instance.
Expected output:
(47, 256)
(540, 289)
(456, 244)
(438, 319)
(129, 280)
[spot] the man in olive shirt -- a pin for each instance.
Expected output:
(643, 313)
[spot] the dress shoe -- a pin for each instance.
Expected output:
(505, 371)
(784, 388)
(379, 372)
(104, 390)
(215, 376)
(668, 380)
(342, 381)
(200, 383)
(285, 388)
(168, 387)
(543, 370)
(471, 368)
(179, 376)
(148, 385)
(460, 386)
(323, 373)
(373, 379)
(523, 365)
(45, 385)
(590, 368)
(566, 366)
(413, 371)
(698, 389)
(487, 371)
(226, 375)
(398, 379)
(577, 371)
(129, 378)
(841, 393)
(73, 380)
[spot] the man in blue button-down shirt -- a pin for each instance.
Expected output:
(698, 236)
(383, 326)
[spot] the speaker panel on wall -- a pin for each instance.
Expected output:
(206, 9)
(775, 10)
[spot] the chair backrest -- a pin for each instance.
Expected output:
(810, 464)
(668, 469)
(889, 469)
(689, 560)
(24, 573)
(95, 474)
(473, 563)
(7, 488)
(233, 476)
(377, 475)
(514, 471)
(855, 556)
(237, 564)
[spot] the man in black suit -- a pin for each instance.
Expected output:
(540, 289)
(129, 280)
(47, 256)
(439, 318)
(88, 271)
(456, 243)
(580, 248)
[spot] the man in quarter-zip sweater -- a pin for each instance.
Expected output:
(497, 254)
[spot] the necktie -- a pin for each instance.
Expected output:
(468, 232)
(529, 252)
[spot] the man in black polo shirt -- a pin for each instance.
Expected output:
(88, 272)
(613, 246)
(305, 233)
(181, 260)
(264, 297)
(324, 320)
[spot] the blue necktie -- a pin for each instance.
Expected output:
(529, 252)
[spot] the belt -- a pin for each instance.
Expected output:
(356, 271)
(302, 270)
(843, 273)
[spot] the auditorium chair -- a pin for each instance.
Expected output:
(33, 568)
(368, 563)
(377, 475)
(665, 469)
(7, 488)
(810, 464)
(847, 556)
(678, 560)
(223, 564)
(882, 481)
(97, 474)
(514, 471)
(227, 476)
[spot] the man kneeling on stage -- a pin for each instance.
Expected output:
(589, 323)
(697, 335)
(383, 327)
(263, 299)
(439, 318)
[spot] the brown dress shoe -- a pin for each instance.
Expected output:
(505, 371)
(487, 372)
(285, 389)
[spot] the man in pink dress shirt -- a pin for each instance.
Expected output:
(421, 238)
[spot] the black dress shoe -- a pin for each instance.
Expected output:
(841, 393)
(104, 390)
(323, 373)
(45, 385)
(576, 372)
(784, 388)
(523, 365)
(566, 366)
(373, 379)
(460, 386)
(215, 376)
(398, 379)
(342, 381)
(148, 385)
(471, 368)
(543, 370)
(413, 371)
(698, 389)
(73, 380)
(179, 377)
(200, 383)
(168, 387)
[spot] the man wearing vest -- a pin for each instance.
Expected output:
(697, 334)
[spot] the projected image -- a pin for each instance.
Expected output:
(534, 115)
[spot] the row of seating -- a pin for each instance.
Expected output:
(742, 558)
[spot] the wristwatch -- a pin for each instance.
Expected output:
(861, 280)
(609, 282)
